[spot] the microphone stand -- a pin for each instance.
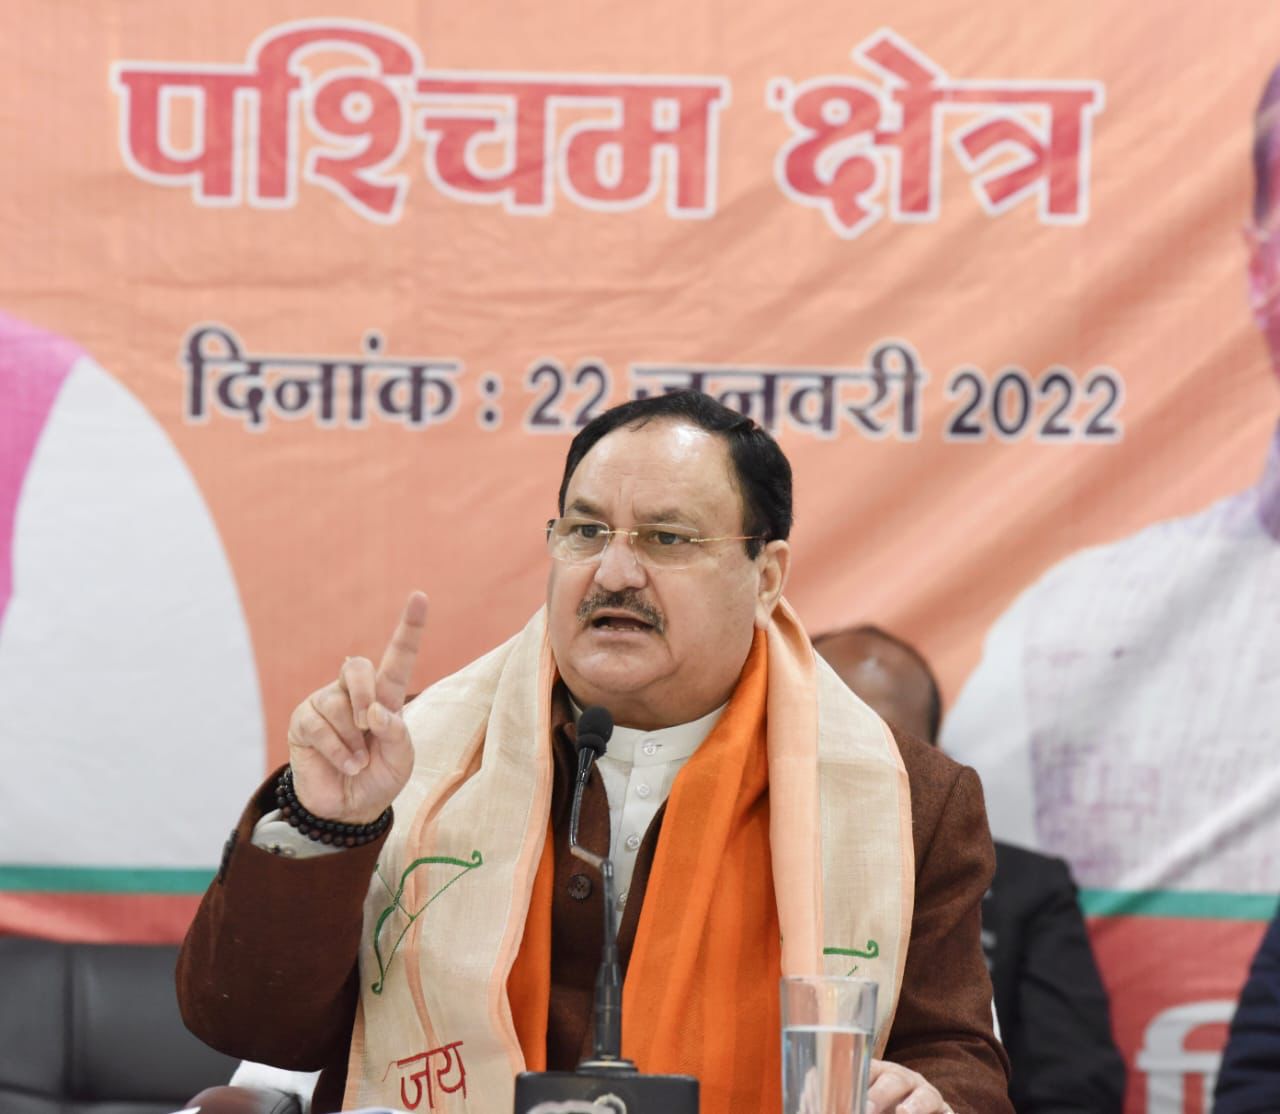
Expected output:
(606, 1082)
(607, 1041)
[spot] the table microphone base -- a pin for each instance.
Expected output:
(605, 1087)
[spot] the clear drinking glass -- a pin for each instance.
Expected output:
(828, 1022)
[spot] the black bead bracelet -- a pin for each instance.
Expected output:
(333, 832)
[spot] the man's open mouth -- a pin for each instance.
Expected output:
(619, 622)
(623, 612)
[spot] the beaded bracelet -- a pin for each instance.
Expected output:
(333, 832)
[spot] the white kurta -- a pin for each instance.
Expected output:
(1126, 711)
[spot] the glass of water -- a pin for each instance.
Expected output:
(828, 1023)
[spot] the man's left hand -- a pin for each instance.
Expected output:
(898, 1090)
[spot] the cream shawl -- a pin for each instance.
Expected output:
(448, 904)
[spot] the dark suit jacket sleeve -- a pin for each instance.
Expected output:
(1050, 1000)
(1249, 1081)
(943, 1027)
(268, 968)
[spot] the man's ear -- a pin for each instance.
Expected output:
(775, 564)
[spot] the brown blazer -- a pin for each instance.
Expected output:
(268, 969)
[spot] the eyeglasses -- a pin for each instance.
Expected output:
(578, 541)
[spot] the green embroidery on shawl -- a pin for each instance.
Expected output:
(873, 950)
(467, 865)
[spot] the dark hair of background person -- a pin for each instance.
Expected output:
(924, 684)
(1266, 135)
(762, 471)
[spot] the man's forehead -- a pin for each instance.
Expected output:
(663, 448)
(871, 654)
(670, 469)
(652, 511)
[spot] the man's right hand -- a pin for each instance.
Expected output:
(348, 745)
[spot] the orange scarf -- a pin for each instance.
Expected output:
(700, 996)
(794, 814)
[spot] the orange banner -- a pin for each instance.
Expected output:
(298, 312)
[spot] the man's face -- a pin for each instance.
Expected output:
(659, 646)
(1264, 251)
(885, 678)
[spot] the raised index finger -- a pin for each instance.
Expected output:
(398, 660)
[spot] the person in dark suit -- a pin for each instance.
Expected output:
(1249, 1080)
(1051, 1006)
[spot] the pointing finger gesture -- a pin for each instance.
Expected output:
(348, 744)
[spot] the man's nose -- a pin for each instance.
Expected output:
(619, 566)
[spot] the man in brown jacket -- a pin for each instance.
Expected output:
(664, 607)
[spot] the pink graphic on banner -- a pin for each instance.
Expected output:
(33, 366)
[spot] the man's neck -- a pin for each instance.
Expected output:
(650, 727)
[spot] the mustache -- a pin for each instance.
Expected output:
(628, 599)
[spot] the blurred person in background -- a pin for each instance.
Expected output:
(1249, 1079)
(1123, 715)
(1051, 1006)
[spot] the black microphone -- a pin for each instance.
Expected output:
(595, 728)
(606, 1082)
